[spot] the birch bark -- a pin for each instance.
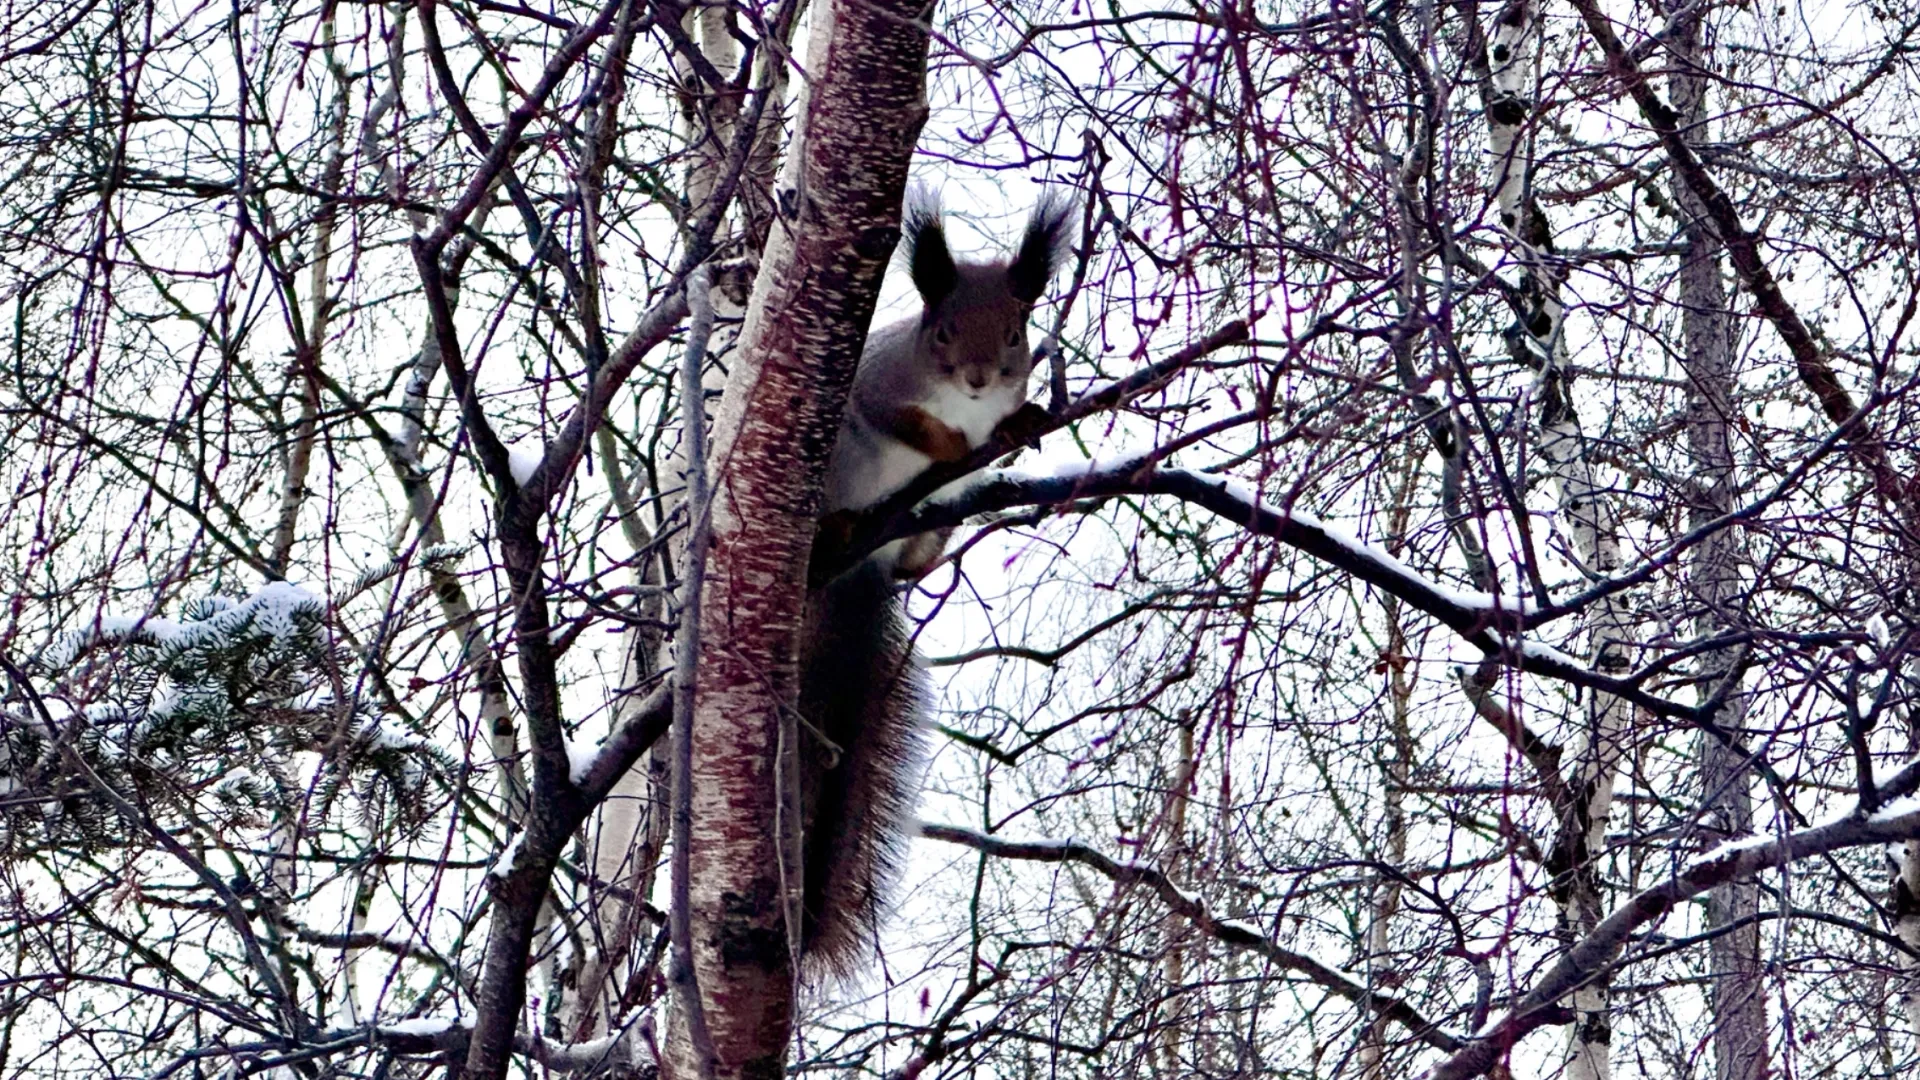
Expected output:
(631, 829)
(1812, 365)
(840, 199)
(1586, 513)
(1396, 772)
(1906, 911)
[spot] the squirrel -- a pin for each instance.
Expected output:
(930, 388)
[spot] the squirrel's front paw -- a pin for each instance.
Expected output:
(836, 528)
(832, 537)
(1024, 426)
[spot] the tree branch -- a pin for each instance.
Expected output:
(1811, 361)
(876, 525)
(1730, 862)
(1231, 932)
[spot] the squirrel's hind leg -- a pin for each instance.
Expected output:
(918, 553)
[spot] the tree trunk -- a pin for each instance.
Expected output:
(840, 197)
(1906, 912)
(1736, 993)
(631, 829)
(1540, 341)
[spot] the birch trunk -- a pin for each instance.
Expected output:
(631, 828)
(840, 195)
(1396, 772)
(1174, 965)
(1812, 365)
(311, 339)
(1906, 912)
(1586, 512)
(1736, 993)
(403, 452)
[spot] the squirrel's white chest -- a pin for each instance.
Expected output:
(974, 417)
(869, 465)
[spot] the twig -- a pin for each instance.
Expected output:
(685, 668)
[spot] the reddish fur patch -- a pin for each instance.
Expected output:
(919, 429)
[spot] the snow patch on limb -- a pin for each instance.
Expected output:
(504, 864)
(1727, 849)
(1902, 779)
(423, 1026)
(1121, 463)
(382, 736)
(1898, 808)
(1044, 470)
(154, 630)
(584, 1054)
(523, 458)
(1533, 649)
(1898, 786)
(1735, 860)
(275, 608)
(1891, 813)
(1241, 926)
(277, 601)
(580, 759)
(451, 1034)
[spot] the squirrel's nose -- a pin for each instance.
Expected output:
(977, 378)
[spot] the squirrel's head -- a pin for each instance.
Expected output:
(974, 329)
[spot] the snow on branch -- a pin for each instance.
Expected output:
(1497, 625)
(594, 770)
(220, 701)
(276, 610)
(1239, 935)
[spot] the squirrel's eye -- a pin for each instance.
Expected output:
(1006, 373)
(1013, 339)
(946, 369)
(942, 335)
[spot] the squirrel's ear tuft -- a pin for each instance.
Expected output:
(927, 256)
(1042, 249)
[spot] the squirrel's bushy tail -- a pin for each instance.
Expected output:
(862, 699)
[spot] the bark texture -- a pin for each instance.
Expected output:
(1736, 993)
(840, 199)
(1587, 510)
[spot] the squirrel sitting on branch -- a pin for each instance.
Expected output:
(932, 387)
